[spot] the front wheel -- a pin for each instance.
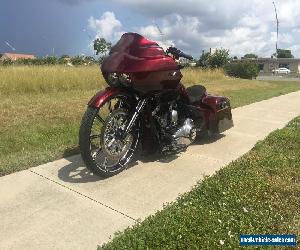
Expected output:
(104, 148)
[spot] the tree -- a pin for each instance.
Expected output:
(78, 60)
(101, 46)
(284, 53)
(89, 60)
(204, 60)
(217, 59)
(249, 56)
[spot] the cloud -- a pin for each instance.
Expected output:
(242, 26)
(107, 26)
(75, 2)
(153, 32)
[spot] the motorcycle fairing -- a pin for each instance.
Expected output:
(134, 53)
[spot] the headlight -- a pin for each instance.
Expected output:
(115, 79)
(125, 79)
(112, 79)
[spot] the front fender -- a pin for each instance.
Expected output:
(103, 95)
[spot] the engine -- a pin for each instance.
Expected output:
(176, 127)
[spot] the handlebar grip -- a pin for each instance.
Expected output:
(186, 56)
(178, 53)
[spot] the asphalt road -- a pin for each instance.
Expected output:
(278, 78)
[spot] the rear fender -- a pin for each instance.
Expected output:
(100, 98)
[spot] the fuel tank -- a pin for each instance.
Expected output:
(144, 61)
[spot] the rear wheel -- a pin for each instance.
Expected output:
(104, 149)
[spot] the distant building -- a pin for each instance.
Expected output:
(14, 57)
(266, 65)
(186, 62)
(269, 64)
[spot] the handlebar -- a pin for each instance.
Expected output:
(178, 53)
(186, 56)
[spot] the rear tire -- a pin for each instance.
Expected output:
(86, 146)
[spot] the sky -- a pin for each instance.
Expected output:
(57, 27)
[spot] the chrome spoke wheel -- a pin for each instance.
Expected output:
(113, 140)
(105, 148)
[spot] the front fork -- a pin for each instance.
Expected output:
(138, 110)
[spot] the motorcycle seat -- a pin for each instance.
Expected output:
(196, 93)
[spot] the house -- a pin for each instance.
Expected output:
(14, 57)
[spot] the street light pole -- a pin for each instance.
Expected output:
(277, 25)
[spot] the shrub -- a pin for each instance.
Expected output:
(6, 62)
(246, 70)
(52, 60)
(25, 61)
(89, 60)
(78, 60)
(62, 60)
(49, 60)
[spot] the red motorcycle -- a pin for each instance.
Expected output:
(145, 108)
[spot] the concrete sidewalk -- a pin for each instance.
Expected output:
(60, 205)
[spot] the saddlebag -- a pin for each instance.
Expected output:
(220, 119)
(223, 120)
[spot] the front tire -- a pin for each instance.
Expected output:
(99, 158)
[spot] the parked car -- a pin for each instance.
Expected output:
(281, 71)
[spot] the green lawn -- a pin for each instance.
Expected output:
(41, 107)
(257, 194)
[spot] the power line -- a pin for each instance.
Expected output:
(9, 45)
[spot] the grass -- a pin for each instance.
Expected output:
(41, 107)
(240, 91)
(45, 79)
(257, 194)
